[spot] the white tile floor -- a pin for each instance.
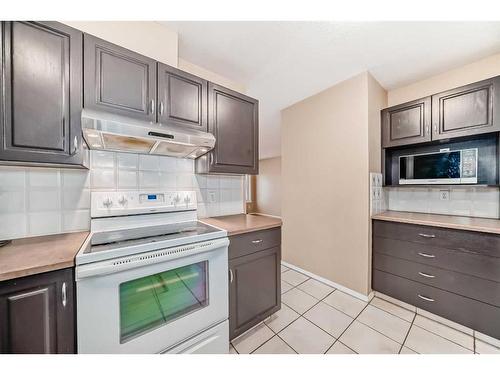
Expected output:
(316, 318)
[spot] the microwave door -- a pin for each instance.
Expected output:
(434, 168)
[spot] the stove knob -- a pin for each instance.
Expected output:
(187, 200)
(107, 203)
(123, 201)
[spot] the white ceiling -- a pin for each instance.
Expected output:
(281, 63)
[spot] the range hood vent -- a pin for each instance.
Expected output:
(104, 131)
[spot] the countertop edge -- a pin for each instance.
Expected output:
(52, 265)
(36, 270)
(250, 230)
(458, 226)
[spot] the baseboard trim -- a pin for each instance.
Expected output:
(330, 283)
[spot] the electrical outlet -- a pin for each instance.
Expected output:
(212, 196)
(444, 195)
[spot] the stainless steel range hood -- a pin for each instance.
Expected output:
(104, 131)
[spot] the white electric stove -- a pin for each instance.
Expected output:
(151, 278)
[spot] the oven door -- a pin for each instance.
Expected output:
(149, 302)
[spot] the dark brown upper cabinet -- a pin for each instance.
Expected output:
(407, 123)
(468, 110)
(40, 93)
(182, 98)
(118, 80)
(233, 119)
(37, 314)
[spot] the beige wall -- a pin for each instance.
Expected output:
(268, 187)
(377, 99)
(145, 37)
(325, 191)
(151, 39)
(210, 76)
(476, 71)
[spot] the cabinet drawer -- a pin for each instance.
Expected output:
(482, 266)
(469, 286)
(249, 243)
(475, 242)
(471, 313)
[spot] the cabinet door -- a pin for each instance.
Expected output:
(254, 289)
(182, 98)
(468, 110)
(118, 80)
(41, 93)
(233, 119)
(407, 123)
(37, 314)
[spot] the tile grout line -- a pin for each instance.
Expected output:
(357, 316)
(437, 334)
(388, 312)
(407, 334)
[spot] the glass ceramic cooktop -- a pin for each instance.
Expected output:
(110, 240)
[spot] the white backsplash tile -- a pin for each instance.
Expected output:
(75, 178)
(149, 163)
(127, 161)
(103, 179)
(76, 221)
(463, 201)
(41, 223)
(102, 159)
(127, 179)
(44, 200)
(40, 201)
(44, 178)
(12, 201)
(13, 226)
(12, 179)
(168, 165)
(149, 179)
(76, 199)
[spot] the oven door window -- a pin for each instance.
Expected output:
(152, 301)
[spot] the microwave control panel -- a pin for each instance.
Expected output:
(469, 163)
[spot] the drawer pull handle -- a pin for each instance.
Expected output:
(425, 235)
(64, 297)
(426, 275)
(256, 241)
(425, 298)
(231, 277)
(427, 255)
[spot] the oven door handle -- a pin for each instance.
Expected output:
(149, 258)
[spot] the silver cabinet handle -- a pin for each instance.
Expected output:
(427, 255)
(160, 109)
(425, 235)
(426, 275)
(425, 298)
(153, 106)
(256, 241)
(426, 130)
(75, 145)
(63, 292)
(231, 278)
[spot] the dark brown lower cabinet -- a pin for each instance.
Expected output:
(451, 273)
(254, 287)
(37, 314)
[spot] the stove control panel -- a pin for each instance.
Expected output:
(121, 203)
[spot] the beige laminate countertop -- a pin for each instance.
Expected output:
(444, 221)
(243, 223)
(29, 256)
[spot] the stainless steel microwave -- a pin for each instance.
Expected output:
(444, 167)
